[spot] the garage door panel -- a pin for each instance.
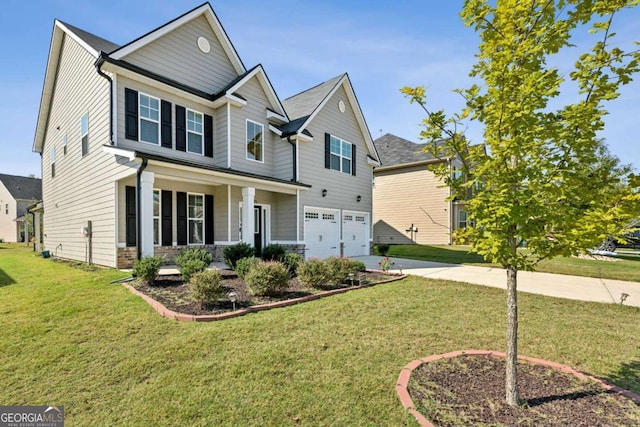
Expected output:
(355, 233)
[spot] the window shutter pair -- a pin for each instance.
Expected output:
(182, 218)
(131, 224)
(327, 154)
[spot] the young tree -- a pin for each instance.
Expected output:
(545, 180)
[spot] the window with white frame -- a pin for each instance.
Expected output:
(462, 219)
(156, 217)
(52, 158)
(196, 218)
(340, 155)
(64, 143)
(6, 208)
(255, 141)
(149, 109)
(84, 133)
(194, 132)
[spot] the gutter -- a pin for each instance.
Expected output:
(98, 64)
(295, 163)
(141, 169)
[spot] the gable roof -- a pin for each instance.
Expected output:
(22, 187)
(304, 103)
(98, 44)
(396, 151)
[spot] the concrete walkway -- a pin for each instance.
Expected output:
(554, 285)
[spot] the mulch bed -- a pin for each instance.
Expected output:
(172, 292)
(470, 390)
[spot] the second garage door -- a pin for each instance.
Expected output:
(355, 233)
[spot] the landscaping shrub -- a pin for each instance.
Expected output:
(292, 260)
(236, 252)
(244, 265)
(147, 268)
(313, 272)
(206, 287)
(193, 260)
(273, 252)
(382, 249)
(357, 266)
(338, 269)
(267, 278)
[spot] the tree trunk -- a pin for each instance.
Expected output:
(511, 384)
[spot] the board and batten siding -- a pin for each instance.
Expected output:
(342, 188)
(176, 55)
(83, 187)
(411, 195)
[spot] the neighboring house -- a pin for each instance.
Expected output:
(17, 193)
(168, 142)
(409, 202)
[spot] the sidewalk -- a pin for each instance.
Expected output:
(554, 285)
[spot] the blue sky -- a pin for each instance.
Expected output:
(383, 45)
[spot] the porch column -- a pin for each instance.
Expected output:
(248, 226)
(146, 213)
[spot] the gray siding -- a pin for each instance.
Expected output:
(83, 188)
(220, 146)
(284, 218)
(167, 56)
(342, 189)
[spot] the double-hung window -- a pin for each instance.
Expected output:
(64, 143)
(462, 220)
(149, 109)
(52, 158)
(255, 141)
(340, 155)
(156, 217)
(84, 133)
(196, 218)
(194, 132)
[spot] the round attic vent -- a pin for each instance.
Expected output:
(341, 106)
(203, 45)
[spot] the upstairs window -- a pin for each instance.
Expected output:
(194, 132)
(341, 155)
(6, 208)
(149, 109)
(84, 133)
(64, 143)
(255, 141)
(52, 158)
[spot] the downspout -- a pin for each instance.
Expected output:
(295, 164)
(141, 169)
(98, 64)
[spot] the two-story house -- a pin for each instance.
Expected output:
(169, 141)
(17, 193)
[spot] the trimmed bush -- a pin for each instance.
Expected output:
(267, 278)
(357, 266)
(292, 260)
(313, 272)
(382, 249)
(192, 261)
(236, 252)
(338, 269)
(244, 265)
(273, 252)
(206, 287)
(147, 268)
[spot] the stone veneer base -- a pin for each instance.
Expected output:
(405, 375)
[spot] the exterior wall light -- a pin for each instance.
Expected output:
(324, 192)
(358, 198)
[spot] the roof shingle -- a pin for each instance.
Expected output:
(22, 187)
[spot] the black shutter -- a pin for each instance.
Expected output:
(327, 151)
(208, 219)
(130, 209)
(167, 223)
(353, 160)
(165, 124)
(181, 128)
(181, 220)
(208, 136)
(131, 114)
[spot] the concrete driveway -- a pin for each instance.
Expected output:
(554, 285)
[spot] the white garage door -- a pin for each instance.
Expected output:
(321, 232)
(355, 233)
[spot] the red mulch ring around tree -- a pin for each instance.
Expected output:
(173, 292)
(470, 391)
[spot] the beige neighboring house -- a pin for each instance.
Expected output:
(409, 203)
(17, 194)
(168, 142)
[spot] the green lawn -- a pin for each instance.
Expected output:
(70, 338)
(626, 268)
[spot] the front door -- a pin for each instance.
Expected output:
(258, 230)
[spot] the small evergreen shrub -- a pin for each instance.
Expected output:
(244, 265)
(313, 273)
(206, 287)
(147, 268)
(267, 278)
(236, 252)
(193, 260)
(273, 252)
(357, 266)
(292, 260)
(338, 269)
(382, 249)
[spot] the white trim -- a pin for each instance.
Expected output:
(297, 162)
(275, 130)
(201, 153)
(287, 242)
(196, 219)
(228, 212)
(272, 115)
(148, 119)
(229, 136)
(229, 242)
(238, 102)
(159, 216)
(372, 162)
(215, 24)
(298, 215)
(131, 155)
(246, 141)
(263, 80)
(77, 39)
(302, 137)
(114, 106)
